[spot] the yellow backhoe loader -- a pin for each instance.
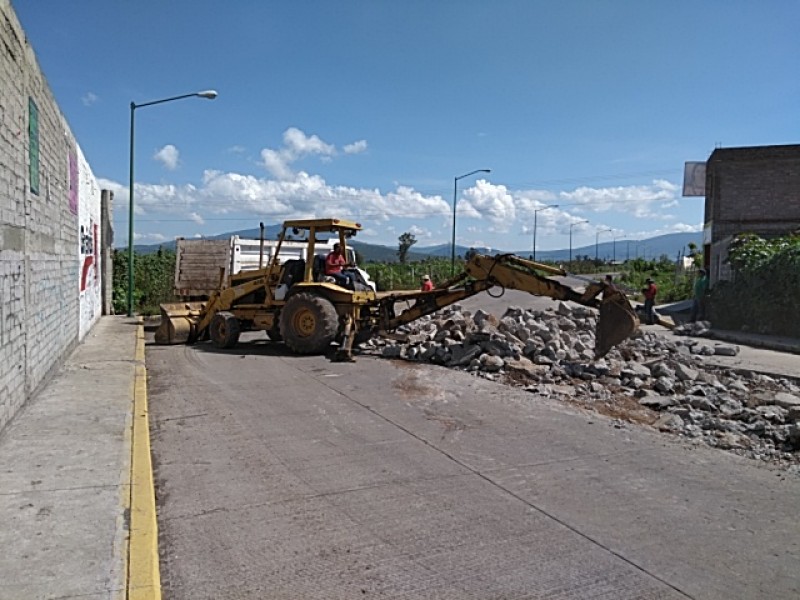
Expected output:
(295, 302)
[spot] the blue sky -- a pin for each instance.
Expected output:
(369, 110)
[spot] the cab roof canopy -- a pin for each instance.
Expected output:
(323, 224)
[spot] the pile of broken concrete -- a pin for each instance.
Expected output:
(647, 378)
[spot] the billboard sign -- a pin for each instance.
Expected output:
(694, 179)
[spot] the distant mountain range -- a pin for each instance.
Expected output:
(671, 244)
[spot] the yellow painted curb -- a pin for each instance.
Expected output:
(144, 579)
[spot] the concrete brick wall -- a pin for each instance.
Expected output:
(42, 305)
(750, 190)
(753, 190)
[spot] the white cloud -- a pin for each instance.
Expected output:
(89, 98)
(298, 145)
(685, 228)
(197, 218)
(635, 199)
(355, 147)
(153, 238)
(490, 201)
(168, 156)
(419, 232)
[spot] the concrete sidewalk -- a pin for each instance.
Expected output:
(65, 474)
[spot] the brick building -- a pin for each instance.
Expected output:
(749, 190)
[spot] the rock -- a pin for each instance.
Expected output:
(728, 440)
(657, 401)
(665, 385)
(392, 351)
(701, 403)
(480, 317)
(726, 350)
(526, 366)
(793, 436)
(668, 422)
(660, 369)
(730, 408)
(793, 415)
(738, 386)
(563, 309)
(684, 373)
(491, 363)
(786, 400)
(461, 355)
(759, 398)
(772, 413)
(634, 369)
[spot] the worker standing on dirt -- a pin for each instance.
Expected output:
(650, 290)
(699, 300)
(335, 262)
(427, 284)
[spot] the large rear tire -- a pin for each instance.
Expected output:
(224, 330)
(309, 323)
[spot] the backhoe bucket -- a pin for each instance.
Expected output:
(179, 322)
(617, 323)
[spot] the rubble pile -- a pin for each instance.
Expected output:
(647, 378)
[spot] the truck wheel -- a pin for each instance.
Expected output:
(224, 330)
(309, 323)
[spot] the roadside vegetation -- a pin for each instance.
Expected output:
(764, 293)
(153, 279)
(154, 275)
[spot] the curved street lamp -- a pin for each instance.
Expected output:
(208, 94)
(571, 225)
(535, 213)
(453, 245)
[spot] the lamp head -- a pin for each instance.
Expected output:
(210, 94)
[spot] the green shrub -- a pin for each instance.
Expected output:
(764, 294)
(153, 277)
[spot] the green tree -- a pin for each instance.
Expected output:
(406, 241)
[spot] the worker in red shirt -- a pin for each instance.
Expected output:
(335, 262)
(427, 284)
(650, 290)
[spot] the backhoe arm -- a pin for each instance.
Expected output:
(512, 272)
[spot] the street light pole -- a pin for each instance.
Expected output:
(210, 95)
(571, 225)
(455, 192)
(535, 213)
(597, 243)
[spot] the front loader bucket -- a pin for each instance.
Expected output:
(617, 323)
(179, 322)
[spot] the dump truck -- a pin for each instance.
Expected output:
(294, 302)
(198, 261)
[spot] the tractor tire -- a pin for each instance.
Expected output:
(309, 323)
(224, 330)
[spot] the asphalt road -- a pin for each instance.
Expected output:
(294, 477)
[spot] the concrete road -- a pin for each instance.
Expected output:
(293, 477)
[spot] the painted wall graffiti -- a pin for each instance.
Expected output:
(88, 240)
(87, 204)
